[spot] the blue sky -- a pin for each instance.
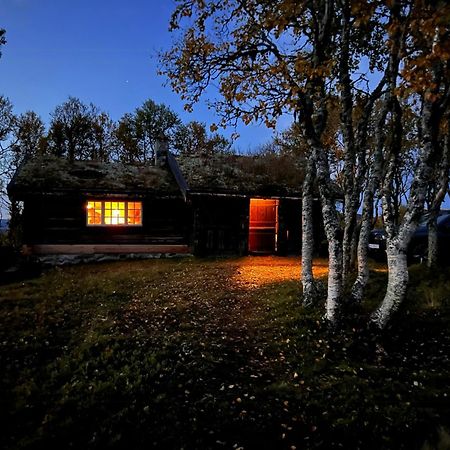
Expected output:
(102, 51)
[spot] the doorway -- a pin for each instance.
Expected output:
(263, 226)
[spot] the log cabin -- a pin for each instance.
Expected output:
(202, 205)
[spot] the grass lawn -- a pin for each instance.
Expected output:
(198, 354)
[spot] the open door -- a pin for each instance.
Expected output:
(263, 226)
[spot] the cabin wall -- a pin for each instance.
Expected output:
(289, 238)
(62, 220)
(220, 225)
(208, 225)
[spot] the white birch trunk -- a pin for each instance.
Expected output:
(399, 238)
(367, 213)
(397, 285)
(309, 289)
(334, 293)
(331, 225)
(363, 249)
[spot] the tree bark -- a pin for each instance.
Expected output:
(313, 117)
(346, 114)
(309, 288)
(397, 284)
(330, 218)
(398, 237)
(433, 251)
(354, 246)
(367, 212)
(331, 225)
(363, 253)
(441, 190)
(334, 292)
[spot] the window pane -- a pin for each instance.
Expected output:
(134, 213)
(114, 213)
(108, 213)
(90, 213)
(94, 213)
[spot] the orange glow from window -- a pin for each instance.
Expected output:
(114, 213)
(94, 213)
(134, 213)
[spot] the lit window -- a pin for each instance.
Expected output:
(114, 213)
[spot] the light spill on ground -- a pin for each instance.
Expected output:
(257, 271)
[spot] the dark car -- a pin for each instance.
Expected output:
(377, 244)
(418, 247)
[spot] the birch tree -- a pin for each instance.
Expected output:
(375, 166)
(424, 78)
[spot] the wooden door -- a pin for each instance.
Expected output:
(263, 226)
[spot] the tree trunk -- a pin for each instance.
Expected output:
(330, 218)
(309, 288)
(354, 246)
(349, 230)
(399, 237)
(347, 129)
(367, 212)
(433, 252)
(363, 249)
(397, 285)
(441, 190)
(331, 225)
(334, 294)
(319, 157)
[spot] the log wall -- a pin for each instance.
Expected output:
(62, 220)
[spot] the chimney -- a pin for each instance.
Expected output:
(161, 150)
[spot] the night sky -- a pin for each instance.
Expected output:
(101, 51)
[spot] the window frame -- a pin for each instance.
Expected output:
(114, 225)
